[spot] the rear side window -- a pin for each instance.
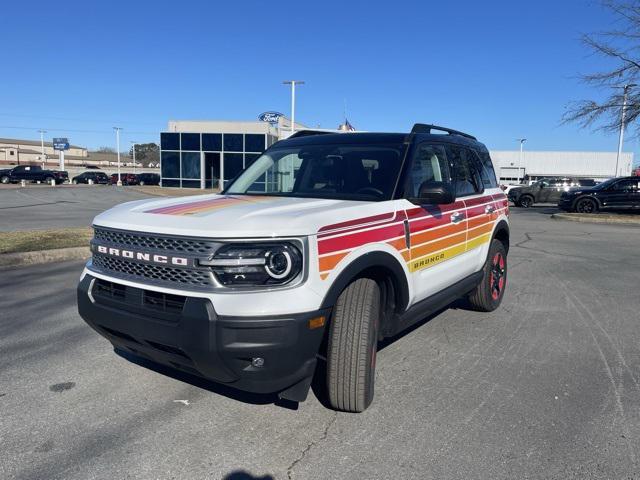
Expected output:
(487, 173)
(464, 171)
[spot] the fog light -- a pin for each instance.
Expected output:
(257, 362)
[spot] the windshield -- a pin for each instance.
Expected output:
(345, 172)
(605, 184)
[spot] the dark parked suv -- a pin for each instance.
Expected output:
(148, 179)
(95, 177)
(546, 190)
(615, 193)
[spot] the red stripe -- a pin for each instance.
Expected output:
(477, 201)
(358, 221)
(353, 240)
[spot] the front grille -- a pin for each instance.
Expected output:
(155, 273)
(155, 242)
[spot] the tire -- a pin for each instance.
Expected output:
(141, 183)
(74, 181)
(48, 180)
(586, 205)
(488, 294)
(525, 201)
(4, 180)
(352, 346)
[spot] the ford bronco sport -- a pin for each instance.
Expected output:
(322, 247)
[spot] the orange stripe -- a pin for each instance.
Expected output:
(477, 231)
(330, 261)
(479, 220)
(406, 255)
(398, 243)
(428, 235)
(323, 276)
(438, 245)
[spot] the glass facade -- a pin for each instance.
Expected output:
(223, 156)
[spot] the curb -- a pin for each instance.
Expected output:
(598, 218)
(43, 256)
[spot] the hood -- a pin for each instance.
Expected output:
(234, 216)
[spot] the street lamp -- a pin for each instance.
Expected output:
(293, 84)
(133, 148)
(521, 140)
(622, 119)
(44, 157)
(117, 129)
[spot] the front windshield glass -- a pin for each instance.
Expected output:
(606, 184)
(346, 172)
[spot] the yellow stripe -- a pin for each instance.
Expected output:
(436, 258)
(477, 241)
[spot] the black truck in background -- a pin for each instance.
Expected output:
(32, 173)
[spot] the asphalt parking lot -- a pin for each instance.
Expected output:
(548, 386)
(42, 206)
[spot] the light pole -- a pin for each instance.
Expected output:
(44, 157)
(133, 148)
(521, 140)
(622, 118)
(117, 129)
(293, 84)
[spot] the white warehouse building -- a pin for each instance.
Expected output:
(534, 165)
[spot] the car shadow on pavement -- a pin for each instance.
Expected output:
(244, 475)
(218, 388)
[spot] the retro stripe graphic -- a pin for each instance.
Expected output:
(205, 206)
(433, 238)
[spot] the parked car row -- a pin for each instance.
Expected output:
(620, 193)
(101, 178)
(545, 190)
(31, 174)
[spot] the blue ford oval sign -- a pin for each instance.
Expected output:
(271, 117)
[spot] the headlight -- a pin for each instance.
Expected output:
(256, 264)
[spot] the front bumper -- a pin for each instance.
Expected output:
(566, 204)
(186, 333)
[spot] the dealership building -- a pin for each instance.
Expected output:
(207, 154)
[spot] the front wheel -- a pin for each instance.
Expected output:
(4, 180)
(525, 201)
(74, 181)
(141, 183)
(352, 347)
(586, 205)
(487, 295)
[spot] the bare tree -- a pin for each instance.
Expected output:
(621, 45)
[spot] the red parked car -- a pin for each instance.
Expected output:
(126, 178)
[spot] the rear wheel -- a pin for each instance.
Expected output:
(4, 179)
(487, 296)
(74, 181)
(525, 201)
(586, 205)
(352, 347)
(142, 183)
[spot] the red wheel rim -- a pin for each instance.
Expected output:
(497, 275)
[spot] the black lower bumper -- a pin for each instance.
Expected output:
(185, 333)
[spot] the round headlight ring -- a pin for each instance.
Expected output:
(273, 269)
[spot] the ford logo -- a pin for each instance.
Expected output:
(271, 117)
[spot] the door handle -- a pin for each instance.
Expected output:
(489, 209)
(457, 217)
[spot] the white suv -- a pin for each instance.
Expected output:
(325, 245)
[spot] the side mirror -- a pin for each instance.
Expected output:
(436, 193)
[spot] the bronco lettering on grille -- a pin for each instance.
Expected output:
(147, 257)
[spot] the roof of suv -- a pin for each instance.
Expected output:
(363, 138)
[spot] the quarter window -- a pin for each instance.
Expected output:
(487, 173)
(464, 171)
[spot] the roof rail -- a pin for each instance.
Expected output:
(425, 128)
(308, 133)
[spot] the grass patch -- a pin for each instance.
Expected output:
(32, 240)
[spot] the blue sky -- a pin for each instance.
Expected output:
(498, 69)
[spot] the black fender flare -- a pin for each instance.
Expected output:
(501, 231)
(370, 260)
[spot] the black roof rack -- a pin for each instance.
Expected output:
(308, 133)
(424, 128)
